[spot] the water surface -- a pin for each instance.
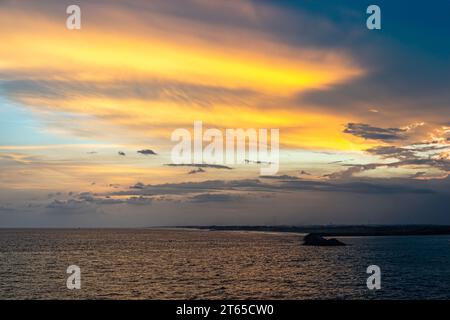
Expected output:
(194, 264)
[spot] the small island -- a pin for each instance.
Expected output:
(313, 239)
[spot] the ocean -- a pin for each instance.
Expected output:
(201, 264)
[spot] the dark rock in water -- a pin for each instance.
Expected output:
(317, 240)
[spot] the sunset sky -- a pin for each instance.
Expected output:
(364, 115)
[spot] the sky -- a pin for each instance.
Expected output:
(86, 116)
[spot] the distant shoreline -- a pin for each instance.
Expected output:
(339, 231)
(321, 230)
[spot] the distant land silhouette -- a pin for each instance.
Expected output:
(341, 230)
(313, 239)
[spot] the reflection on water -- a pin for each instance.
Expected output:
(168, 264)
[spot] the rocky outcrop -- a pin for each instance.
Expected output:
(317, 240)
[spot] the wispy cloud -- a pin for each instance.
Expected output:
(200, 165)
(147, 152)
(213, 197)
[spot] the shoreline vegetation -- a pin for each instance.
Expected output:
(340, 230)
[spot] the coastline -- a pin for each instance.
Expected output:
(339, 231)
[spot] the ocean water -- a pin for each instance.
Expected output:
(191, 264)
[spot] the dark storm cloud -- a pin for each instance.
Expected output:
(374, 133)
(281, 184)
(395, 94)
(219, 191)
(121, 153)
(409, 66)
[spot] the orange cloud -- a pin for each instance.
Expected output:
(42, 50)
